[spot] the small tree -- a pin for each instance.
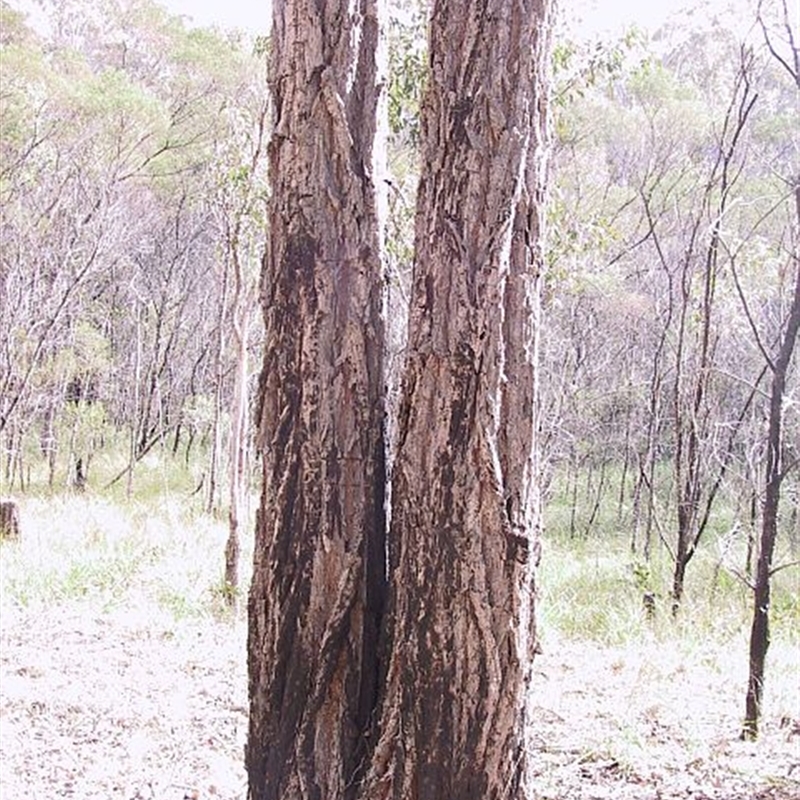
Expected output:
(776, 471)
(777, 465)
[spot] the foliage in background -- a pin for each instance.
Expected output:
(120, 128)
(669, 202)
(126, 144)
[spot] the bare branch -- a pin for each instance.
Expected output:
(751, 322)
(781, 567)
(792, 69)
(737, 573)
(661, 535)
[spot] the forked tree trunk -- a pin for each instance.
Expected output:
(759, 632)
(454, 718)
(319, 582)
(692, 385)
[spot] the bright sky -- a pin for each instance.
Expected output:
(252, 15)
(600, 15)
(588, 16)
(596, 14)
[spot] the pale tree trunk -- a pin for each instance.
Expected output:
(318, 587)
(239, 424)
(137, 389)
(455, 713)
(240, 206)
(216, 431)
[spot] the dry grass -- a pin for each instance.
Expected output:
(657, 721)
(122, 675)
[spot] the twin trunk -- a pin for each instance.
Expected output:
(400, 672)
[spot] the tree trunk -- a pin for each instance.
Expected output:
(9, 520)
(455, 713)
(759, 631)
(692, 388)
(679, 576)
(319, 583)
(239, 426)
(219, 378)
(574, 473)
(137, 390)
(598, 495)
(49, 442)
(626, 463)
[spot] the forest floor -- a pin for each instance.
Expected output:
(123, 677)
(117, 704)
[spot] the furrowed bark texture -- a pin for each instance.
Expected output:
(463, 545)
(319, 567)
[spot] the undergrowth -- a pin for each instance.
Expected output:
(160, 552)
(154, 555)
(594, 590)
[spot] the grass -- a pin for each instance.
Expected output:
(166, 552)
(590, 593)
(157, 474)
(102, 546)
(592, 584)
(624, 701)
(160, 549)
(83, 548)
(593, 590)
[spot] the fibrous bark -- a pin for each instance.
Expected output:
(455, 712)
(318, 587)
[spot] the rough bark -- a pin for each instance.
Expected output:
(460, 636)
(759, 631)
(319, 580)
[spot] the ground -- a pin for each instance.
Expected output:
(654, 723)
(134, 705)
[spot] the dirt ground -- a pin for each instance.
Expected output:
(136, 706)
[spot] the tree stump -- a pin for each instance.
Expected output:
(649, 605)
(9, 520)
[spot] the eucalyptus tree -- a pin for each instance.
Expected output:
(319, 580)
(722, 204)
(429, 696)
(238, 203)
(455, 717)
(66, 211)
(664, 169)
(601, 316)
(781, 458)
(697, 336)
(111, 121)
